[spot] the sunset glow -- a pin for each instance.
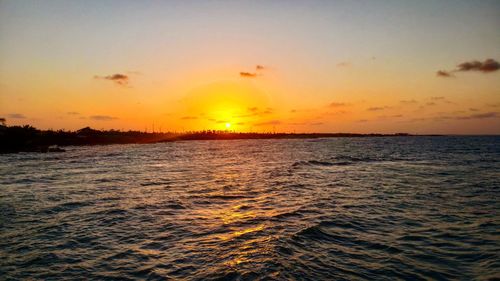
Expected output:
(305, 68)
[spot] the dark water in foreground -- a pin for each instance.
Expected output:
(325, 209)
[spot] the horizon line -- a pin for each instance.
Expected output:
(218, 131)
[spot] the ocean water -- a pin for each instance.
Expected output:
(389, 208)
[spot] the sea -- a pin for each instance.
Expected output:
(366, 208)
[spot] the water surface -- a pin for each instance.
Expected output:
(323, 209)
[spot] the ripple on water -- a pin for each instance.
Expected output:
(413, 208)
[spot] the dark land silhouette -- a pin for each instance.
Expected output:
(30, 139)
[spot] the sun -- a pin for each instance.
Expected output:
(228, 125)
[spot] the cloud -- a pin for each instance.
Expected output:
(267, 123)
(248, 74)
(118, 78)
(376, 108)
(390, 116)
(485, 115)
(488, 65)
(16, 116)
(102, 118)
(307, 123)
(258, 69)
(480, 116)
(445, 74)
(408, 101)
(430, 103)
(73, 113)
(473, 109)
(343, 64)
(255, 111)
(268, 110)
(337, 104)
(441, 99)
(189, 118)
(438, 98)
(418, 119)
(338, 112)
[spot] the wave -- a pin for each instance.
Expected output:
(345, 160)
(319, 163)
(66, 207)
(249, 215)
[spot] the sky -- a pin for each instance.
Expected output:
(422, 67)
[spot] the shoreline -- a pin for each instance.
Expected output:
(16, 139)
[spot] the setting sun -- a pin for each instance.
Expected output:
(228, 125)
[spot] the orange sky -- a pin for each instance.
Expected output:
(283, 66)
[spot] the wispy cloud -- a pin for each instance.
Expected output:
(390, 116)
(308, 123)
(486, 115)
(343, 64)
(248, 74)
(118, 78)
(258, 71)
(73, 113)
(376, 108)
(438, 98)
(103, 118)
(486, 66)
(255, 111)
(443, 73)
(480, 116)
(189, 118)
(268, 110)
(337, 104)
(408, 101)
(16, 116)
